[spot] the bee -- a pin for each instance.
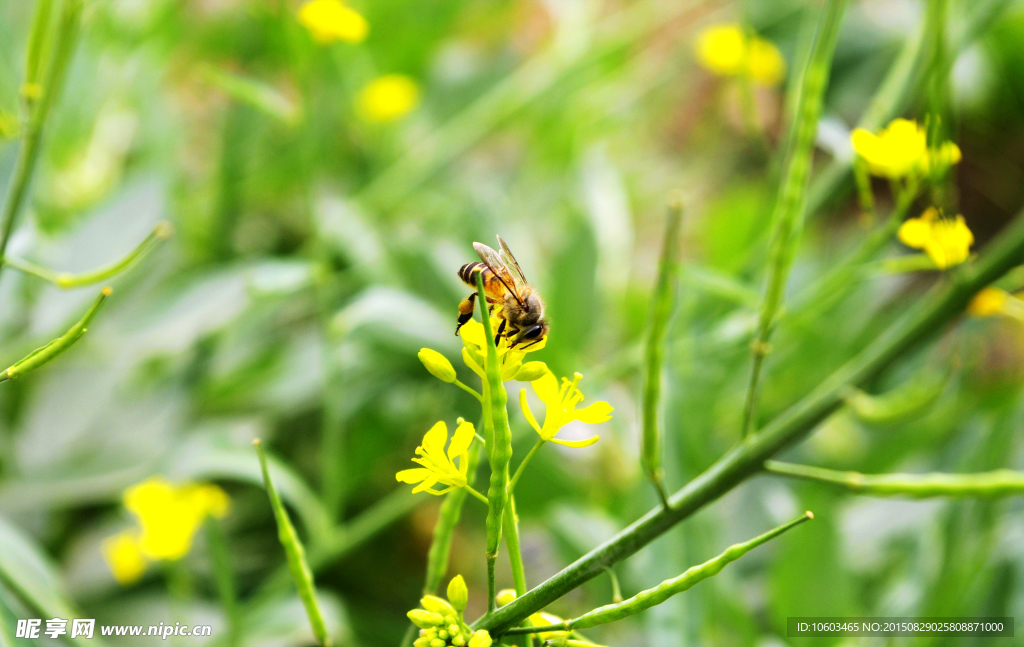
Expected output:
(519, 306)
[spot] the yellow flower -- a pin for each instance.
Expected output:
(942, 157)
(727, 50)
(560, 408)
(438, 466)
(124, 557)
(899, 150)
(388, 98)
(329, 21)
(474, 350)
(169, 515)
(946, 240)
(988, 302)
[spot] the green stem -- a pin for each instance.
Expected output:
(444, 529)
(997, 483)
(499, 443)
(24, 164)
(44, 354)
(66, 281)
(789, 208)
(661, 311)
(662, 592)
(470, 390)
(296, 555)
(515, 556)
(225, 579)
(519, 470)
(944, 303)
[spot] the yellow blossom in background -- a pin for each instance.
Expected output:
(474, 350)
(439, 466)
(900, 149)
(330, 21)
(727, 50)
(947, 241)
(169, 515)
(988, 302)
(388, 98)
(941, 157)
(560, 408)
(124, 557)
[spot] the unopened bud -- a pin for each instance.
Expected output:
(505, 596)
(480, 639)
(437, 364)
(425, 619)
(438, 606)
(458, 594)
(531, 371)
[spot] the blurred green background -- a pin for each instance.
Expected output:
(315, 253)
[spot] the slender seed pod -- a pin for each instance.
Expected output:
(42, 355)
(499, 442)
(296, 555)
(905, 402)
(787, 221)
(996, 483)
(661, 310)
(658, 594)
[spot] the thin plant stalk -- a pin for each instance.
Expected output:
(997, 483)
(499, 443)
(44, 354)
(522, 466)
(302, 576)
(37, 44)
(661, 311)
(225, 580)
(662, 592)
(28, 152)
(943, 304)
(789, 208)
(515, 556)
(67, 281)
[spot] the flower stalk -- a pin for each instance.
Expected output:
(38, 109)
(789, 209)
(997, 483)
(65, 281)
(661, 311)
(662, 592)
(302, 576)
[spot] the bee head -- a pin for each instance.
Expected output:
(532, 334)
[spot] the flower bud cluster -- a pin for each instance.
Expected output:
(440, 621)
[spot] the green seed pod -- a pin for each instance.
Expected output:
(438, 606)
(437, 364)
(425, 619)
(531, 371)
(458, 594)
(904, 403)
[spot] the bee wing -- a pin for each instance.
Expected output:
(510, 261)
(497, 265)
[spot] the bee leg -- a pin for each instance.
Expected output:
(466, 311)
(501, 329)
(535, 341)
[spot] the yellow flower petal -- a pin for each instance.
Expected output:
(576, 443)
(915, 233)
(766, 65)
(462, 439)
(597, 412)
(388, 98)
(989, 301)
(329, 21)
(414, 475)
(900, 149)
(124, 557)
(546, 388)
(722, 49)
(527, 413)
(434, 440)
